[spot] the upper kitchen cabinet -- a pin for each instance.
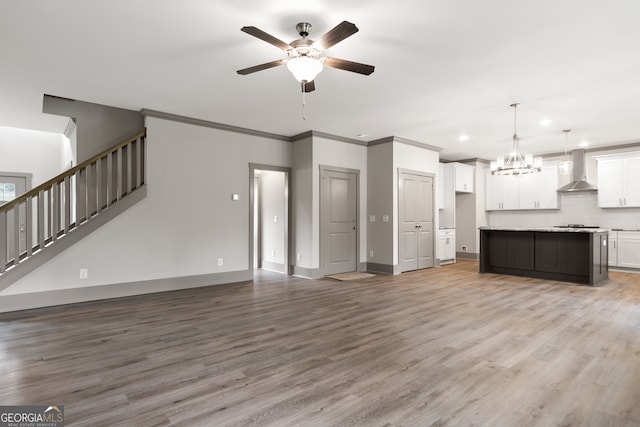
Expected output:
(464, 177)
(539, 190)
(530, 191)
(619, 181)
(501, 192)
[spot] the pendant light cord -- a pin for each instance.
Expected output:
(515, 129)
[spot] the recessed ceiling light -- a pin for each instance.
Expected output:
(545, 122)
(463, 137)
(584, 144)
(363, 135)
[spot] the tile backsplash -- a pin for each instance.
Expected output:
(575, 208)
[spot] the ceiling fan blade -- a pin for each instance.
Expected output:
(343, 64)
(256, 32)
(308, 86)
(261, 67)
(337, 34)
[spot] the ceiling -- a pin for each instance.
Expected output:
(443, 67)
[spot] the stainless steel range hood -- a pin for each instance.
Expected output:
(579, 174)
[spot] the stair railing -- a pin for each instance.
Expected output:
(39, 217)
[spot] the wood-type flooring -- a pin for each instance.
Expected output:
(440, 347)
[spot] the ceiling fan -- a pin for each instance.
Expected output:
(305, 55)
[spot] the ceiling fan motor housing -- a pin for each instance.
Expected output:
(303, 47)
(303, 28)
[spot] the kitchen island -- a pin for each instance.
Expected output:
(572, 255)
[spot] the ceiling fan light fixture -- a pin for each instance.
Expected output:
(304, 68)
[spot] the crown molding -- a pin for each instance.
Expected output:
(206, 123)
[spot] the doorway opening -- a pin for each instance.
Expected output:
(12, 185)
(269, 225)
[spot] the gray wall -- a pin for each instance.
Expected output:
(470, 213)
(302, 198)
(186, 222)
(99, 127)
(380, 202)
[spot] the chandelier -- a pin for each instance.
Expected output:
(516, 163)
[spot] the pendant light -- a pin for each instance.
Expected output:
(565, 166)
(516, 164)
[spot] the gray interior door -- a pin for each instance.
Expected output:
(415, 209)
(11, 187)
(338, 221)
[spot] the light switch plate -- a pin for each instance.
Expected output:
(385, 218)
(235, 197)
(372, 218)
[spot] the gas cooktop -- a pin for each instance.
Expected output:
(576, 226)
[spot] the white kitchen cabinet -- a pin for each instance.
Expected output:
(613, 248)
(618, 182)
(530, 191)
(628, 243)
(501, 192)
(548, 187)
(447, 245)
(464, 178)
(538, 190)
(492, 192)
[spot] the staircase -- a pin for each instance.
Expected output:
(44, 221)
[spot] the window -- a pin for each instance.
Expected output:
(7, 191)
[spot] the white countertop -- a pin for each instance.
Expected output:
(548, 229)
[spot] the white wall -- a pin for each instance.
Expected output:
(272, 212)
(185, 224)
(43, 154)
(408, 156)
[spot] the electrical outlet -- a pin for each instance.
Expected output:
(464, 248)
(84, 273)
(371, 253)
(273, 253)
(372, 218)
(275, 218)
(299, 256)
(220, 262)
(385, 218)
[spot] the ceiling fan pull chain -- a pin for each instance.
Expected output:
(304, 102)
